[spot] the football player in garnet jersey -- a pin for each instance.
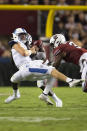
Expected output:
(71, 53)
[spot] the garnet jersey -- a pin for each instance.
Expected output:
(72, 51)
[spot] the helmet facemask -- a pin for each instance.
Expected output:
(23, 37)
(29, 40)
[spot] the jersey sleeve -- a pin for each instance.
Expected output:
(11, 43)
(57, 51)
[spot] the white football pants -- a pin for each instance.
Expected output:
(32, 71)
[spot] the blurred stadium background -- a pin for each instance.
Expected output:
(73, 24)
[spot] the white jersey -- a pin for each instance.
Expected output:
(18, 59)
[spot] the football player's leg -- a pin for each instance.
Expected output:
(84, 77)
(52, 94)
(58, 75)
(49, 85)
(41, 84)
(15, 79)
(44, 70)
(46, 90)
(57, 100)
(16, 93)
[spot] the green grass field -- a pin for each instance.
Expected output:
(31, 114)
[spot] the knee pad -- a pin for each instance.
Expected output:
(13, 80)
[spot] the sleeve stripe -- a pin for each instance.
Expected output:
(56, 52)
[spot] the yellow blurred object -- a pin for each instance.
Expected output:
(41, 7)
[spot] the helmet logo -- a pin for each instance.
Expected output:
(55, 37)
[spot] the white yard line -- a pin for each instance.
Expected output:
(4, 94)
(3, 113)
(33, 119)
(83, 130)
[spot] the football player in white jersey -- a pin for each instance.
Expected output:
(29, 69)
(40, 55)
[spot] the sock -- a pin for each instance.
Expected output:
(15, 89)
(46, 90)
(50, 94)
(68, 80)
(55, 98)
(43, 87)
(14, 86)
(49, 85)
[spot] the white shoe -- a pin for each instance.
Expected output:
(46, 99)
(13, 97)
(59, 103)
(74, 82)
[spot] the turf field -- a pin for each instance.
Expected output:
(31, 114)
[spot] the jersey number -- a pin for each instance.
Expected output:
(73, 44)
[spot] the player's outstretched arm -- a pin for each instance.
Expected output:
(58, 59)
(23, 51)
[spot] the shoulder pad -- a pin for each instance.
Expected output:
(11, 43)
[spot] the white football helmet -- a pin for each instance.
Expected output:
(57, 39)
(21, 35)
